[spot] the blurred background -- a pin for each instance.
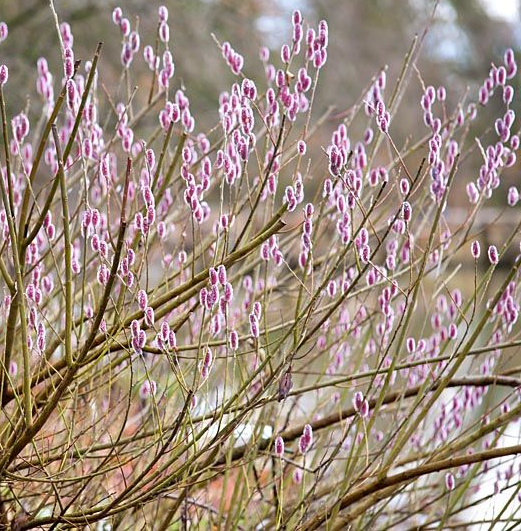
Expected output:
(464, 37)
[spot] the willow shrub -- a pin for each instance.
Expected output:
(228, 329)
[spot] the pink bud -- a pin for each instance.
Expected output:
(3, 31)
(279, 446)
(42, 66)
(71, 93)
(483, 96)
(228, 292)
(365, 254)
(411, 345)
(134, 41)
(508, 94)
(164, 32)
(472, 192)
(212, 273)
(134, 328)
(513, 196)
(501, 75)
(4, 75)
(285, 53)
(383, 122)
(297, 17)
(117, 15)
(141, 339)
(453, 331)
(142, 299)
(264, 54)
(208, 357)
(148, 54)
(68, 62)
(124, 26)
(165, 330)
(149, 316)
(508, 56)
(406, 211)
(430, 92)
(450, 482)
(306, 439)
(148, 388)
(309, 210)
(126, 55)
(254, 325)
(163, 13)
(221, 274)
(203, 297)
(358, 399)
(66, 34)
(364, 409)
(493, 255)
(172, 340)
(331, 288)
(234, 340)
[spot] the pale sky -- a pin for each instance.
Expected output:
(507, 9)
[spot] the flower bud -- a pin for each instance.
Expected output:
(148, 388)
(306, 439)
(221, 274)
(149, 316)
(234, 340)
(117, 15)
(406, 211)
(254, 326)
(450, 482)
(71, 93)
(164, 32)
(4, 75)
(212, 273)
(163, 13)
(513, 196)
(124, 26)
(493, 255)
(3, 31)
(279, 446)
(285, 53)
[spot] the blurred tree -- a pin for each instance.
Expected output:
(365, 36)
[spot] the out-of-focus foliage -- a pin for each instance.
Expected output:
(459, 38)
(367, 34)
